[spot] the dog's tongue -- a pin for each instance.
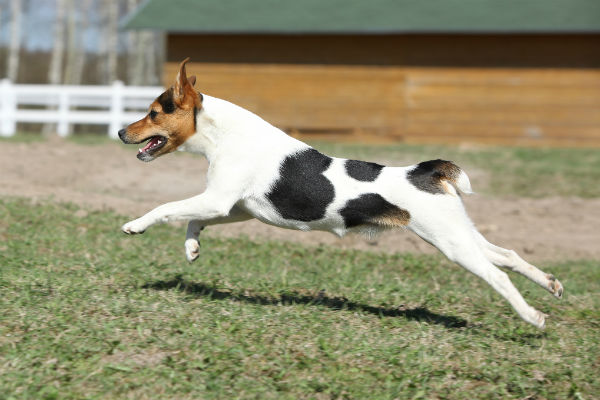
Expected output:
(153, 142)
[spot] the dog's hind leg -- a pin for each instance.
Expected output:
(510, 260)
(456, 240)
(195, 226)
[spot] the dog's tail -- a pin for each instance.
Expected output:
(462, 183)
(440, 176)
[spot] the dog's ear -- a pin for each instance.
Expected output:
(183, 86)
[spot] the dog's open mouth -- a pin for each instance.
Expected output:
(154, 144)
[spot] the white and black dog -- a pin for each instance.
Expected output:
(257, 171)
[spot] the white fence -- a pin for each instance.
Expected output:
(115, 105)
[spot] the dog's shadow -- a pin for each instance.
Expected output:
(199, 289)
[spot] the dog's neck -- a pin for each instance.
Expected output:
(212, 122)
(219, 124)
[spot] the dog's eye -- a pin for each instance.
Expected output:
(153, 114)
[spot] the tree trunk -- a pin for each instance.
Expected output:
(15, 40)
(102, 45)
(56, 59)
(135, 56)
(81, 51)
(112, 40)
(161, 56)
(58, 47)
(76, 29)
(72, 34)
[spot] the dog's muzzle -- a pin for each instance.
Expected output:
(122, 135)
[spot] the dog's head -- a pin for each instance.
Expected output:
(170, 121)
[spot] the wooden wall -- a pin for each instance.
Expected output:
(503, 106)
(516, 105)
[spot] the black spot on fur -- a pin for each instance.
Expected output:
(302, 192)
(427, 175)
(166, 102)
(371, 208)
(362, 170)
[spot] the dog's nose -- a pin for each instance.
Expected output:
(122, 133)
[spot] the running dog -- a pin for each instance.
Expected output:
(258, 171)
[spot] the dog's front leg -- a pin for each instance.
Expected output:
(203, 207)
(192, 243)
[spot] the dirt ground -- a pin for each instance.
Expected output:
(109, 176)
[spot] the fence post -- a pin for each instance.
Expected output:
(8, 124)
(116, 110)
(63, 113)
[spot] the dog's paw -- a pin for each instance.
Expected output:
(192, 249)
(133, 227)
(554, 286)
(537, 318)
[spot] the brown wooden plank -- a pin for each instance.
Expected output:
(513, 115)
(501, 140)
(485, 97)
(502, 77)
(454, 140)
(340, 138)
(537, 132)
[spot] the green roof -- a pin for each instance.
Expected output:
(367, 16)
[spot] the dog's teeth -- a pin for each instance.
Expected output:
(139, 150)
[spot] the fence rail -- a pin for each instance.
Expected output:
(114, 105)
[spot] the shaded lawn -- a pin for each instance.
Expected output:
(88, 312)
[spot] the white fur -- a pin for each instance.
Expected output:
(245, 153)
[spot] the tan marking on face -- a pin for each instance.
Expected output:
(174, 116)
(177, 127)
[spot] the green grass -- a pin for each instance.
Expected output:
(88, 312)
(23, 137)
